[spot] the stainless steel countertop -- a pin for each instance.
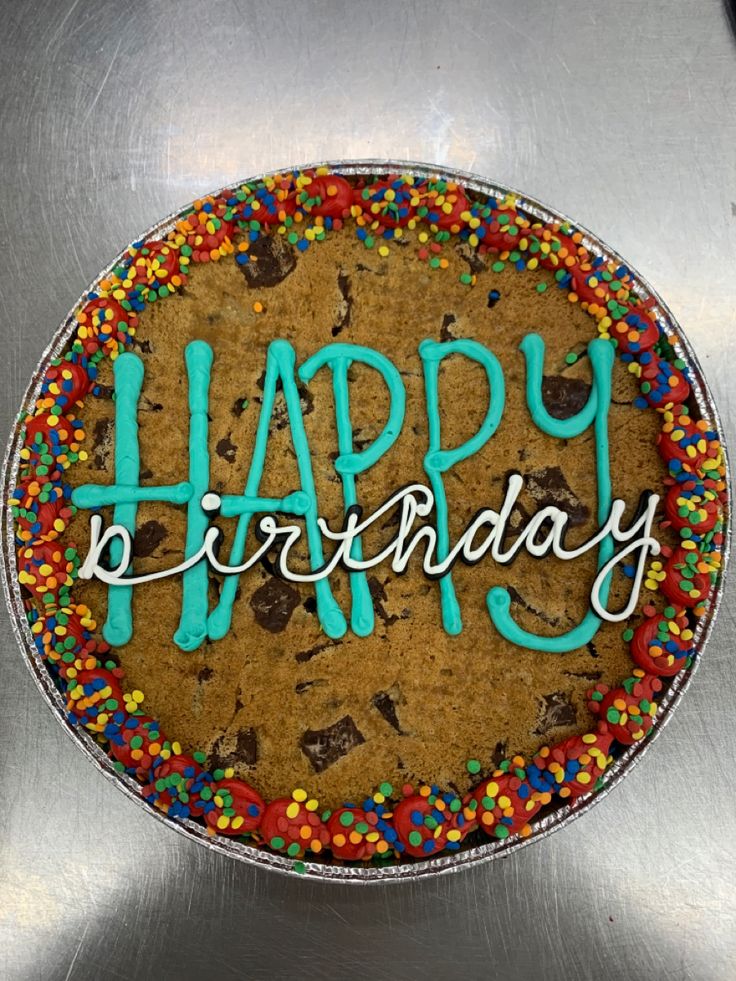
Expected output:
(621, 115)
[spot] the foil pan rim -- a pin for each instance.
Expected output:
(444, 864)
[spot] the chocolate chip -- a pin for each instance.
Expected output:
(239, 406)
(101, 442)
(549, 487)
(143, 346)
(148, 405)
(517, 598)
(585, 675)
(310, 604)
(556, 710)
(271, 261)
(379, 597)
(226, 449)
(205, 674)
(469, 255)
(499, 753)
(148, 537)
(384, 702)
(273, 603)
(564, 397)
(303, 686)
(323, 747)
(345, 306)
(448, 320)
(302, 656)
(245, 750)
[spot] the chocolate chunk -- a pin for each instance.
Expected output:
(143, 346)
(101, 443)
(310, 604)
(226, 449)
(345, 306)
(323, 747)
(148, 537)
(564, 397)
(557, 710)
(384, 702)
(271, 261)
(273, 603)
(205, 674)
(549, 487)
(245, 750)
(448, 321)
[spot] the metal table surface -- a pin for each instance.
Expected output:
(621, 115)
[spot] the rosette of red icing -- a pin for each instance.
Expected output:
(104, 324)
(47, 570)
(504, 803)
(292, 825)
(686, 579)
(65, 384)
(572, 767)
(445, 207)
(627, 712)
(92, 696)
(427, 822)
(692, 505)
(327, 195)
(62, 635)
(389, 202)
(136, 741)
(355, 834)
(41, 509)
(179, 786)
(662, 383)
(662, 645)
(206, 231)
(238, 808)
(154, 265)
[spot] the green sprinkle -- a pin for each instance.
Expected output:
(473, 766)
(415, 838)
(498, 266)
(346, 819)
(386, 789)
(277, 842)
(571, 358)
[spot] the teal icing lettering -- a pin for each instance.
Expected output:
(339, 357)
(192, 628)
(438, 461)
(280, 362)
(595, 411)
(126, 493)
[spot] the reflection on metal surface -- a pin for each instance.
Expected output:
(409, 870)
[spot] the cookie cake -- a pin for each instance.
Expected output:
(366, 517)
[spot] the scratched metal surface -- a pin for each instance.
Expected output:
(113, 115)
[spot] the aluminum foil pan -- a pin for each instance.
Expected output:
(472, 855)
